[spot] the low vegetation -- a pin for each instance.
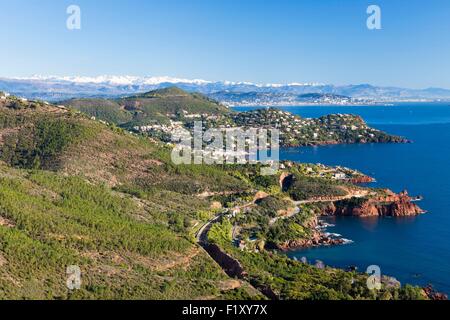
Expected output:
(304, 188)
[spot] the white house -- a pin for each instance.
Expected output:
(339, 176)
(4, 95)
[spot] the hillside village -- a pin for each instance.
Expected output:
(171, 127)
(297, 131)
(294, 130)
(168, 115)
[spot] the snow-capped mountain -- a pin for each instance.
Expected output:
(113, 80)
(150, 81)
(55, 88)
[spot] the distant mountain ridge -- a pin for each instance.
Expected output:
(63, 88)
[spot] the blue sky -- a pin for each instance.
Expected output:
(277, 41)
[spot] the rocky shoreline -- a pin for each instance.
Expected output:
(387, 205)
(361, 180)
(318, 238)
(335, 142)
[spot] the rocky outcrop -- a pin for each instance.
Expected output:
(361, 179)
(387, 205)
(432, 294)
(259, 196)
(317, 239)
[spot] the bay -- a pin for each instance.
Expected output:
(414, 250)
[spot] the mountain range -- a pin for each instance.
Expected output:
(54, 88)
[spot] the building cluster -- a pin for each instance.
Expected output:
(322, 171)
(297, 130)
(174, 129)
(293, 130)
(191, 116)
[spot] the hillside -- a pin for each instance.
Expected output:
(160, 114)
(298, 131)
(143, 109)
(77, 192)
(74, 191)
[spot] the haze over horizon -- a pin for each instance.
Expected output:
(115, 79)
(275, 42)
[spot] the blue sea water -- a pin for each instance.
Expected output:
(414, 250)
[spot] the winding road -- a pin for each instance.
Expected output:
(202, 233)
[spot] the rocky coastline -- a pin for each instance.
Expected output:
(388, 205)
(319, 237)
(396, 140)
(361, 180)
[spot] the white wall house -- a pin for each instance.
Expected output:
(4, 95)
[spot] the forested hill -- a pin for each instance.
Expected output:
(74, 191)
(143, 109)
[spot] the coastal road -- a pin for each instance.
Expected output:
(202, 240)
(202, 233)
(358, 194)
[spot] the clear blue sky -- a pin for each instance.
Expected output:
(266, 41)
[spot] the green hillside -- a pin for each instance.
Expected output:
(77, 192)
(143, 109)
(102, 109)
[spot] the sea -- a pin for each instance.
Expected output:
(414, 250)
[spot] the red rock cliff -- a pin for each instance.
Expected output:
(388, 205)
(361, 179)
